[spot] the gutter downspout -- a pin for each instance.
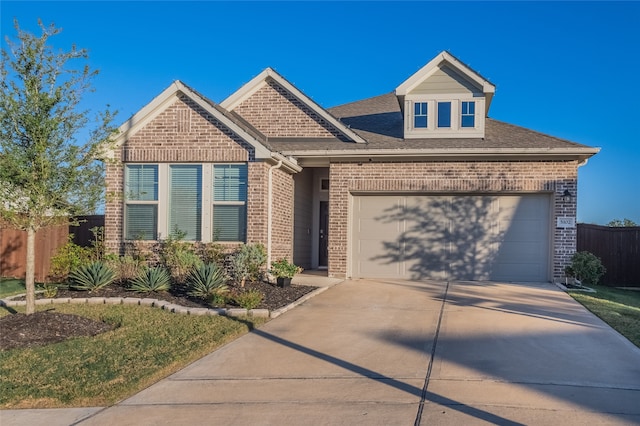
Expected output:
(270, 213)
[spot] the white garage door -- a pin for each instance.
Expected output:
(461, 237)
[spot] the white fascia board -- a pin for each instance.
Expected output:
(290, 164)
(462, 154)
(159, 104)
(423, 73)
(144, 116)
(246, 91)
(259, 81)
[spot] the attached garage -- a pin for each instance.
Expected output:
(451, 237)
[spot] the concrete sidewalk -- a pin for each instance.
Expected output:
(391, 352)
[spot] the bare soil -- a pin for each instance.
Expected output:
(46, 327)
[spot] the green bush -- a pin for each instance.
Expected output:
(248, 299)
(125, 267)
(91, 277)
(207, 281)
(283, 269)
(151, 279)
(248, 263)
(213, 253)
(179, 257)
(68, 258)
(586, 267)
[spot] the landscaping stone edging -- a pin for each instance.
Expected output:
(164, 305)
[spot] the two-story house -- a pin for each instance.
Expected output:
(418, 183)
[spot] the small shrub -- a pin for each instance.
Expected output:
(50, 291)
(248, 263)
(248, 299)
(68, 258)
(219, 299)
(91, 277)
(178, 256)
(587, 267)
(207, 281)
(151, 279)
(126, 267)
(283, 269)
(213, 253)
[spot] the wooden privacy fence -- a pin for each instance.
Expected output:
(13, 250)
(617, 247)
(82, 234)
(13, 246)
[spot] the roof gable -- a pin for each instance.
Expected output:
(167, 98)
(270, 79)
(446, 67)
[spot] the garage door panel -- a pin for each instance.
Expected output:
(475, 237)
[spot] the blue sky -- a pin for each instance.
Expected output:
(566, 69)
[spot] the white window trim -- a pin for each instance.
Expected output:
(208, 204)
(432, 130)
(127, 201)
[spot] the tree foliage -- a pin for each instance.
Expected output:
(617, 223)
(46, 175)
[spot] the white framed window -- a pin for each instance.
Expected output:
(444, 115)
(141, 201)
(420, 115)
(185, 200)
(468, 114)
(207, 202)
(230, 182)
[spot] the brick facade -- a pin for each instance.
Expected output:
(495, 177)
(185, 133)
(276, 113)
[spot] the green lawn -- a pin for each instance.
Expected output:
(618, 308)
(149, 344)
(11, 286)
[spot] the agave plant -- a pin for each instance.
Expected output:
(207, 281)
(151, 279)
(92, 276)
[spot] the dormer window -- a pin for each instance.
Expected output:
(420, 115)
(444, 115)
(468, 114)
(445, 99)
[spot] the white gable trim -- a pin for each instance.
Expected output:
(260, 81)
(425, 72)
(166, 98)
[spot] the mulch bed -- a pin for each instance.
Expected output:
(46, 327)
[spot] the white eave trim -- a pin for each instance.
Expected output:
(259, 81)
(159, 104)
(423, 73)
(432, 154)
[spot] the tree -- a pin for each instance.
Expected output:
(617, 223)
(46, 176)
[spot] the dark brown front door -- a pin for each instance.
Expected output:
(323, 254)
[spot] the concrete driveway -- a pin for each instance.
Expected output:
(393, 353)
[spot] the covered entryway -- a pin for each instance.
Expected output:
(451, 237)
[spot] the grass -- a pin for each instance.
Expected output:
(149, 344)
(11, 286)
(618, 308)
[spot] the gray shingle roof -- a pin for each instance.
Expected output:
(379, 121)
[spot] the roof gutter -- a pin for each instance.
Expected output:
(445, 154)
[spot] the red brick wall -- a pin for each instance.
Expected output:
(185, 133)
(450, 177)
(277, 113)
(282, 210)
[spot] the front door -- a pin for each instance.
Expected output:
(323, 252)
